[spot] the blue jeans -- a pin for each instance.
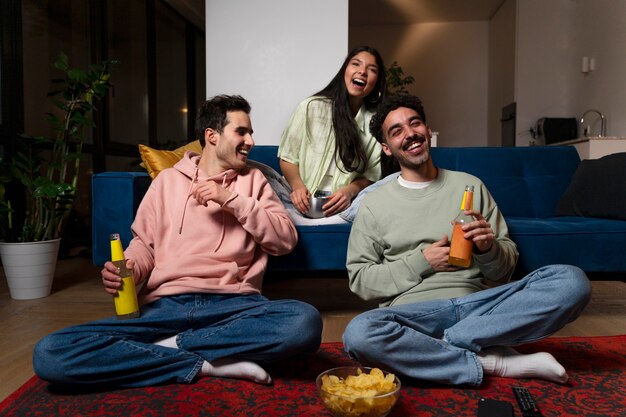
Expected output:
(437, 340)
(121, 353)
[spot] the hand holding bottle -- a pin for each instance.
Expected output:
(111, 276)
(125, 298)
(460, 245)
(479, 232)
(471, 233)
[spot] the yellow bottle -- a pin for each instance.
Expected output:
(126, 305)
(461, 248)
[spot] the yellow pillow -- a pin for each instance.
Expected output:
(156, 160)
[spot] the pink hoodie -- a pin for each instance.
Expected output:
(181, 247)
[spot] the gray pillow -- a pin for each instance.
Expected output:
(278, 183)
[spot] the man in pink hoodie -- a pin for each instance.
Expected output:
(202, 236)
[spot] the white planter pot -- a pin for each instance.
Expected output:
(29, 267)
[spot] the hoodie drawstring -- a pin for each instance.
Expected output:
(223, 232)
(193, 181)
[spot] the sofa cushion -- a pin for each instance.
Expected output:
(156, 160)
(322, 247)
(524, 181)
(598, 189)
(592, 244)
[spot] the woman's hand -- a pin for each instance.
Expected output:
(338, 201)
(300, 199)
(342, 197)
(299, 194)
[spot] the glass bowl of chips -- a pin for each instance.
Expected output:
(357, 391)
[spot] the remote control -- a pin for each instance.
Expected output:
(526, 402)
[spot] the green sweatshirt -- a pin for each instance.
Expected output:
(394, 224)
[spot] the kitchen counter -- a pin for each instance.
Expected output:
(595, 147)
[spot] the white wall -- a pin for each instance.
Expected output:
(449, 62)
(552, 38)
(600, 33)
(544, 66)
(502, 30)
(275, 53)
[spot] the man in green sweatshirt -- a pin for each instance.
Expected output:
(437, 321)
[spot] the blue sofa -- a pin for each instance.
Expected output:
(526, 182)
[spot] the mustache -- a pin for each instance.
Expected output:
(415, 138)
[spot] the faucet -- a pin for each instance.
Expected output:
(602, 123)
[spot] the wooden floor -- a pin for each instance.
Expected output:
(77, 296)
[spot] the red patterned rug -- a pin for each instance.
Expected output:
(597, 387)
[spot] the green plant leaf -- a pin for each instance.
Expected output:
(47, 167)
(396, 80)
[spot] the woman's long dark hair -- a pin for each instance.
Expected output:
(349, 147)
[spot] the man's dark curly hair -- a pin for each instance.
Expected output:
(390, 104)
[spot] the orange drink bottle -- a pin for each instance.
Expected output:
(126, 305)
(461, 248)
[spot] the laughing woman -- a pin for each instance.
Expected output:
(326, 147)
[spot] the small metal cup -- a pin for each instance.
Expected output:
(315, 206)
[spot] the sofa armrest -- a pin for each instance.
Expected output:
(115, 199)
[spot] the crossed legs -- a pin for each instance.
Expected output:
(179, 338)
(456, 341)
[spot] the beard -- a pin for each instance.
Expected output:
(409, 161)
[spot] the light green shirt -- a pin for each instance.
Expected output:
(394, 224)
(309, 142)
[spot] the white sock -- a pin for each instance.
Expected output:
(228, 368)
(231, 368)
(169, 342)
(507, 362)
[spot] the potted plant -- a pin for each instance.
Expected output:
(48, 169)
(396, 84)
(396, 80)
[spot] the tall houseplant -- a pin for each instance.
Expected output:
(48, 166)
